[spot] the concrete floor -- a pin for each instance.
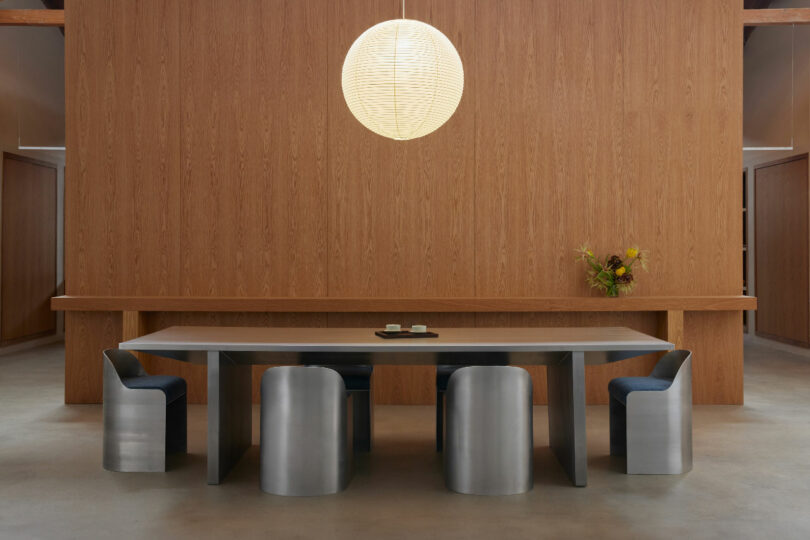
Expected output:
(751, 476)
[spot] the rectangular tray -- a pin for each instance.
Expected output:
(405, 334)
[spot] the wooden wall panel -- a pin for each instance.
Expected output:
(607, 123)
(210, 153)
(87, 334)
(783, 250)
(401, 212)
(715, 340)
(682, 142)
(254, 148)
(123, 164)
(89, 231)
(548, 142)
(28, 248)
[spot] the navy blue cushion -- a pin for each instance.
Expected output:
(355, 377)
(618, 428)
(443, 371)
(173, 387)
(443, 376)
(619, 388)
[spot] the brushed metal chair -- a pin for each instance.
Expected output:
(305, 424)
(144, 416)
(357, 377)
(443, 373)
(489, 442)
(651, 417)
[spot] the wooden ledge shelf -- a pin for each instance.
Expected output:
(775, 17)
(32, 17)
(400, 305)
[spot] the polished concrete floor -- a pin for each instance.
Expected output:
(751, 476)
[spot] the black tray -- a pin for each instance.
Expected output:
(404, 334)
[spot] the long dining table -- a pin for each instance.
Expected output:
(229, 353)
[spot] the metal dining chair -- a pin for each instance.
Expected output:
(443, 373)
(489, 442)
(144, 415)
(356, 370)
(651, 417)
(305, 424)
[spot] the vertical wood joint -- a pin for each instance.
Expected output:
(671, 327)
(132, 325)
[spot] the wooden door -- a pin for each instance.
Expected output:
(781, 244)
(28, 274)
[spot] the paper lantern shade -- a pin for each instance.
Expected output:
(402, 79)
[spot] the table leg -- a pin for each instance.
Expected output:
(566, 415)
(229, 414)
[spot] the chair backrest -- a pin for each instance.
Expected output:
(476, 378)
(670, 364)
(307, 381)
(124, 363)
(489, 434)
(305, 426)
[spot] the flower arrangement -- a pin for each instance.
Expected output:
(612, 274)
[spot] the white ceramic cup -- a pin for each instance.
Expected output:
(418, 328)
(393, 328)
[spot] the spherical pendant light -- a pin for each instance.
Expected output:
(402, 79)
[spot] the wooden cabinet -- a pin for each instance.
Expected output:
(782, 241)
(28, 249)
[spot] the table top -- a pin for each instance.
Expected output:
(264, 339)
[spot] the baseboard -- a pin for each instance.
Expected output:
(775, 344)
(32, 343)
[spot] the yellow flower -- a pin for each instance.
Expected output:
(632, 253)
(621, 271)
(590, 253)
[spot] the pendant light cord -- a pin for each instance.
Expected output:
(19, 102)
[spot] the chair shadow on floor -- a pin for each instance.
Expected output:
(548, 471)
(181, 462)
(612, 464)
(413, 466)
(73, 414)
(406, 461)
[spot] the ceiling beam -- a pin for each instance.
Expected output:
(775, 17)
(32, 17)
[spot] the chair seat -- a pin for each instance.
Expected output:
(173, 387)
(620, 387)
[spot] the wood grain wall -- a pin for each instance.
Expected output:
(210, 153)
